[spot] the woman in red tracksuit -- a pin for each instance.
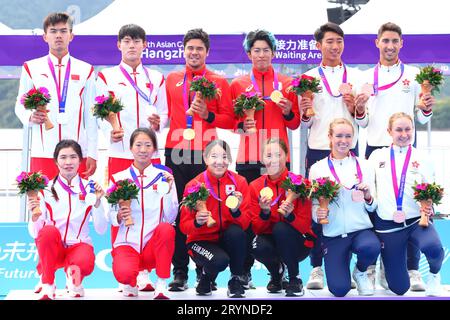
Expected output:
(214, 248)
(280, 240)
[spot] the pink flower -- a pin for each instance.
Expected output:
(250, 94)
(321, 181)
(422, 186)
(196, 78)
(21, 176)
(111, 189)
(44, 91)
(45, 179)
(296, 179)
(295, 82)
(101, 99)
(193, 189)
(436, 70)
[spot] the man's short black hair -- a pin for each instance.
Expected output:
(57, 17)
(389, 26)
(327, 27)
(133, 31)
(197, 34)
(258, 34)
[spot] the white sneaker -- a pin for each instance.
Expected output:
(161, 292)
(371, 273)
(434, 287)
(129, 291)
(315, 279)
(38, 287)
(415, 280)
(382, 279)
(120, 287)
(143, 281)
(363, 283)
(74, 287)
(48, 292)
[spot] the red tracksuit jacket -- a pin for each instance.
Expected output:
(270, 118)
(221, 112)
(219, 211)
(302, 211)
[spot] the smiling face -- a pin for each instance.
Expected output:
(261, 55)
(142, 150)
(274, 159)
(68, 163)
(401, 131)
(217, 161)
(341, 139)
(331, 47)
(58, 37)
(389, 44)
(131, 50)
(195, 54)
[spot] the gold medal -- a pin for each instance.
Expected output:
(276, 96)
(266, 192)
(232, 202)
(189, 134)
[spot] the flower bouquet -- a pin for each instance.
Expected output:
(326, 191)
(31, 183)
(204, 89)
(427, 194)
(430, 79)
(296, 187)
(121, 193)
(305, 86)
(246, 104)
(195, 198)
(37, 99)
(107, 108)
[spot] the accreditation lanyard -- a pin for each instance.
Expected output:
(256, 87)
(399, 189)
(135, 86)
(62, 96)
(136, 180)
(334, 173)
(327, 84)
(69, 190)
(387, 86)
(211, 189)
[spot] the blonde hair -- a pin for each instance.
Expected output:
(399, 115)
(336, 122)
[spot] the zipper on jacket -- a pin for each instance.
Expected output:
(220, 207)
(262, 93)
(142, 215)
(68, 217)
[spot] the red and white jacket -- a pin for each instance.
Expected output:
(300, 218)
(70, 214)
(137, 109)
(219, 211)
(148, 211)
(220, 110)
(270, 122)
(82, 126)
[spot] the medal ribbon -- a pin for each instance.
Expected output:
(277, 198)
(69, 190)
(387, 86)
(255, 84)
(135, 86)
(62, 97)
(334, 173)
(136, 180)
(326, 83)
(211, 189)
(399, 190)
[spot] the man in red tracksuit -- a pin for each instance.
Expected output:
(188, 136)
(271, 122)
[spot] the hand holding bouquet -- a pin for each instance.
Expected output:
(296, 187)
(246, 104)
(195, 198)
(121, 193)
(326, 191)
(37, 99)
(430, 79)
(31, 183)
(107, 108)
(427, 194)
(204, 89)
(306, 86)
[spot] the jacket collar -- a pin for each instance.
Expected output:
(258, 74)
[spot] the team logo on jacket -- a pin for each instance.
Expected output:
(75, 77)
(249, 88)
(229, 189)
(382, 164)
(180, 83)
(415, 164)
(406, 87)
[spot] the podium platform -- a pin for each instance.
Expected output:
(259, 293)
